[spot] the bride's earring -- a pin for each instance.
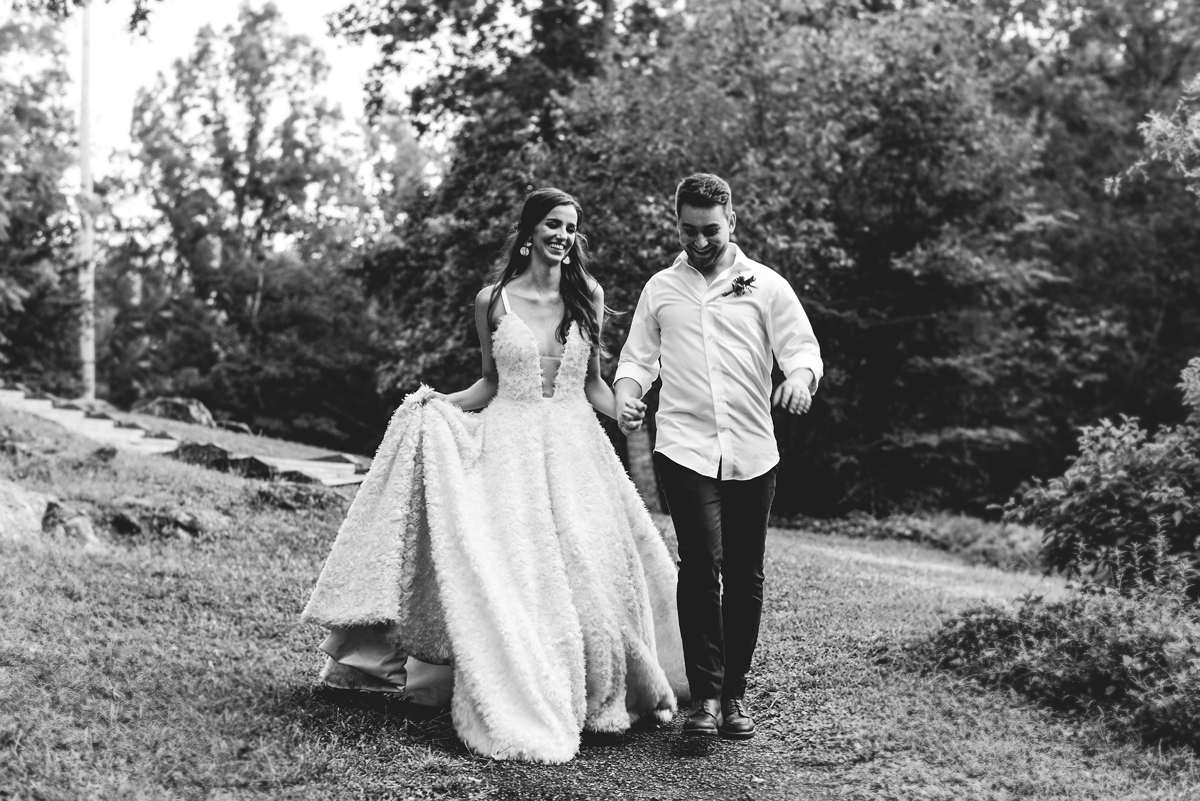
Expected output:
(525, 248)
(566, 260)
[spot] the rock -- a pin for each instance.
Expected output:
(205, 454)
(294, 497)
(79, 529)
(188, 410)
(14, 442)
(125, 523)
(104, 455)
(21, 511)
(184, 519)
(14, 448)
(210, 521)
(251, 467)
(233, 425)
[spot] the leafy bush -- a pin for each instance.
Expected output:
(1107, 503)
(1132, 657)
(1003, 545)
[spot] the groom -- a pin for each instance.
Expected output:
(709, 325)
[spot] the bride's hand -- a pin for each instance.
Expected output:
(443, 397)
(630, 416)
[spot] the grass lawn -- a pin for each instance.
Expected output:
(177, 668)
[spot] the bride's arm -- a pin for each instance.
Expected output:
(597, 390)
(480, 393)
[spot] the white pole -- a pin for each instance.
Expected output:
(87, 233)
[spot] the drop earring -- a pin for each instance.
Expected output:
(566, 260)
(525, 248)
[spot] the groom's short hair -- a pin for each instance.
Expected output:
(703, 190)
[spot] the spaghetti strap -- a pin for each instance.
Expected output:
(504, 300)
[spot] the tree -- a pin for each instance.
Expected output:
(499, 95)
(238, 287)
(61, 9)
(520, 52)
(872, 170)
(1087, 72)
(1171, 139)
(36, 147)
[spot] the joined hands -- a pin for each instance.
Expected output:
(630, 415)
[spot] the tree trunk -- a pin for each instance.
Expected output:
(604, 40)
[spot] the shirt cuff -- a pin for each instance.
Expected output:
(812, 364)
(643, 377)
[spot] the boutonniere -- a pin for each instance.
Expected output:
(742, 284)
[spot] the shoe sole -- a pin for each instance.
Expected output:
(700, 732)
(737, 735)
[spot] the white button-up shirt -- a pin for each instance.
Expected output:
(713, 349)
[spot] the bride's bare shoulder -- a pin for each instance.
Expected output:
(485, 295)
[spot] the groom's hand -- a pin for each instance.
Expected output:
(630, 415)
(793, 396)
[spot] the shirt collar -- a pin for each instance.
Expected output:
(740, 264)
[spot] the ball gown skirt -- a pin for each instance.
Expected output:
(511, 545)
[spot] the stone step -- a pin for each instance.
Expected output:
(332, 470)
(153, 445)
(310, 466)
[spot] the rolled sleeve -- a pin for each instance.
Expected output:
(640, 356)
(792, 338)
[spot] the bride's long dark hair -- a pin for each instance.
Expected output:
(574, 283)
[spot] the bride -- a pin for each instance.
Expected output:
(511, 544)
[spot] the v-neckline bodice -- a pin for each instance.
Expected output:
(508, 310)
(524, 374)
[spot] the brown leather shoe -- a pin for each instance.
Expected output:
(736, 724)
(704, 718)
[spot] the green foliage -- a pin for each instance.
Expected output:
(505, 112)
(309, 373)
(139, 14)
(489, 57)
(872, 167)
(1173, 140)
(1087, 72)
(1132, 659)
(238, 288)
(1123, 488)
(37, 290)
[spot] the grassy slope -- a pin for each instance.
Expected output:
(165, 668)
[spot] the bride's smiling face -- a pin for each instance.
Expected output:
(555, 234)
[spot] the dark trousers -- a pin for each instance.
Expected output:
(722, 531)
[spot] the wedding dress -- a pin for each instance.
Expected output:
(512, 545)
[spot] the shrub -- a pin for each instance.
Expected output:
(1132, 657)
(1106, 504)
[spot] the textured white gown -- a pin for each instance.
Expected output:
(512, 544)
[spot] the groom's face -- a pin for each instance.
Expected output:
(704, 233)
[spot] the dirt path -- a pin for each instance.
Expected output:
(830, 603)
